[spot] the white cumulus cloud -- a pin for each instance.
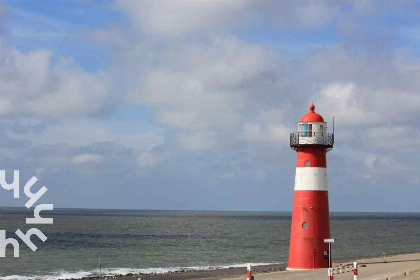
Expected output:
(31, 83)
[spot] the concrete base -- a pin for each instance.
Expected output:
(301, 269)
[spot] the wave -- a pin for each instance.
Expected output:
(123, 271)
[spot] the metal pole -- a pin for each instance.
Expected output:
(331, 274)
(100, 265)
(249, 272)
(329, 255)
(355, 273)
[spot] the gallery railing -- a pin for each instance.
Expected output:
(304, 138)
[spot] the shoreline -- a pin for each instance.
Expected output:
(217, 273)
(232, 272)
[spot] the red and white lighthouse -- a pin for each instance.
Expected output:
(311, 218)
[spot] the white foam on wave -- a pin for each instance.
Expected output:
(123, 271)
(54, 276)
(20, 277)
(162, 270)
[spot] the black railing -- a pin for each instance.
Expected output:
(314, 138)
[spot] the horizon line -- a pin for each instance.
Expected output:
(205, 210)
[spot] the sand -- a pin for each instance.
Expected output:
(394, 267)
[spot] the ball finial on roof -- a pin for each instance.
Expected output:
(311, 116)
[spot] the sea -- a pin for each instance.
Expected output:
(85, 242)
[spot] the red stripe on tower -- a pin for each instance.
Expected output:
(310, 218)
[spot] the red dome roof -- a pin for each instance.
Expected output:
(311, 116)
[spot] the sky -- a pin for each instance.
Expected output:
(188, 105)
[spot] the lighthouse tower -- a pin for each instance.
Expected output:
(310, 219)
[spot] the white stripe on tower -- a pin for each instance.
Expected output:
(311, 179)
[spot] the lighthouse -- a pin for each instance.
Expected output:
(310, 218)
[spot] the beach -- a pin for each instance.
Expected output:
(403, 266)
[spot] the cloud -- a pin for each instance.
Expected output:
(82, 132)
(273, 134)
(13, 143)
(370, 160)
(269, 128)
(86, 158)
(188, 16)
(342, 102)
(32, 84)
(198, 141)
(151, 158)
(368, 90)
(202, 86)
(217, 90)
(378, 167)
(176, 18)
(221, 98)
(315, 13)
(398, 139)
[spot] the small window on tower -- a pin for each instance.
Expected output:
(305, 130)
(321, 129)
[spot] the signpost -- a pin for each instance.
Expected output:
(329, 241)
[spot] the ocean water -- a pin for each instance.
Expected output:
(160, 241)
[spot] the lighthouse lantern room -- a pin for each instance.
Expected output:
(310, 218)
